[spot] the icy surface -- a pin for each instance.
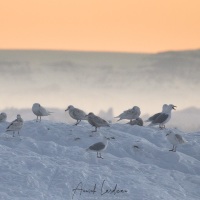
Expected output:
(49, 160)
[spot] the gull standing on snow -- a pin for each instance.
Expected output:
(175, 140)
(3, 117)
(131, 114)
(99, 147)
(164, 117)
(16, 125)
(96, 121)
(39, 111)
(152, 118)
(77, 114)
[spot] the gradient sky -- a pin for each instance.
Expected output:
(100, 25)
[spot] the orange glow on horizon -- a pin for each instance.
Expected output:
(106, 25)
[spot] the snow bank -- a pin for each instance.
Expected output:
(49, 161)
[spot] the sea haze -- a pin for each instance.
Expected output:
(97, 81)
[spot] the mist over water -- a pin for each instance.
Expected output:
(99, 81)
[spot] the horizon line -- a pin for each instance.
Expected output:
(97, 51)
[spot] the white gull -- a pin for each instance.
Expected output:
(99, 147)
(76, 114)
(164, 117)
(3, 117)
(96, 121)
(130, 114)
(15, 125)
(152, 118)
(39, 111)
(175, 139)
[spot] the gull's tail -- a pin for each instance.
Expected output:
(117, 116)
(180, 139)
(118, 119)
(184, 141)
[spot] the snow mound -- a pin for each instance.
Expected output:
(49, 161)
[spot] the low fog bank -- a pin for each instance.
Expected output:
(99, 80)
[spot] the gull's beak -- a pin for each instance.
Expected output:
(86, 115)
(174, 107)
(67, 109)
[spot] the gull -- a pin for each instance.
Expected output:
(137, 121)
(77, 114)
(3, 117)
(131, 114)
(15, 125)
(39, 111)
(99, 147)
(152, 118)
(175, 140)
(96, 121)
(164, 117)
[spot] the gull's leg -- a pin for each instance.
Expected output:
(78, 121)
(100, 156)
(172, 149)
(95, 129)
(13, 133)
(37, 119)
(18, 132)
(162, 127)
(40, 118)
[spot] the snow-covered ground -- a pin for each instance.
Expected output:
(49, 161)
